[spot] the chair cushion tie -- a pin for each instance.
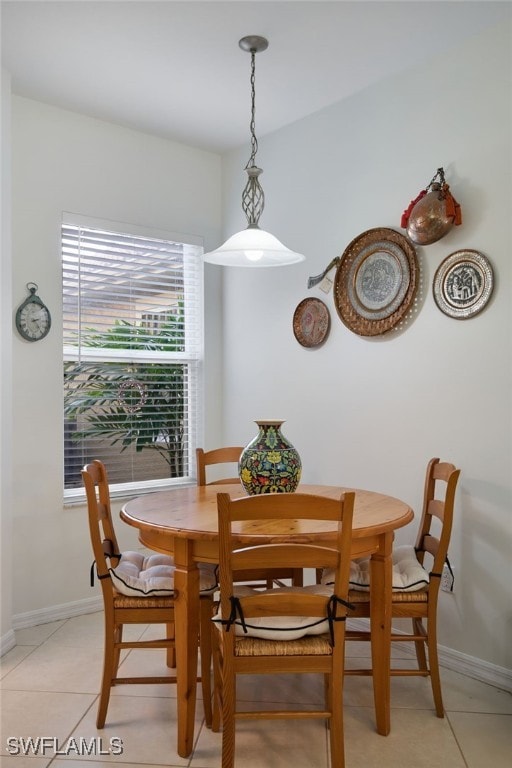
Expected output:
(278, 627)
(408, 573)
(139, 575)
(332, 609)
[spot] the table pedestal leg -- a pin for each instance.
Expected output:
(381, 579)
(186, 584)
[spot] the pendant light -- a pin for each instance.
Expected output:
(253, 247)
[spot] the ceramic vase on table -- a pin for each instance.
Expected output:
(269, 463)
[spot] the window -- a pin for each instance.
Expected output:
(132, 330)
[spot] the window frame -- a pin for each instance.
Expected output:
(193, 357)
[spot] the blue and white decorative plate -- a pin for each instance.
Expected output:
(376, 281)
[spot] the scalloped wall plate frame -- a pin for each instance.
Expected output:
(376, 281)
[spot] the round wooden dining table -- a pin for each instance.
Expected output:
(183, 522)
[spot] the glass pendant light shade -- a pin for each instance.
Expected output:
(253, 247)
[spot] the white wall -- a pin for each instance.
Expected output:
(62, 161)
(7, 639)
(363, 412)
(371, 412)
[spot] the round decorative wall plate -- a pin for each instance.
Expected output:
(376, 281)
(311, 322)
(463, 284)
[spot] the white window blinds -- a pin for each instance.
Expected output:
(132, 329)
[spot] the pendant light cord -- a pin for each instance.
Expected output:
(253, 197)
(252, 125)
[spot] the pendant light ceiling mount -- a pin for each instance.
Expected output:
(253, 247)
(253, 44)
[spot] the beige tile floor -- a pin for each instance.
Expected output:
(49, 689)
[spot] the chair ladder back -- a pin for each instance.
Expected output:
(233, 558)
(285, 506)
(101, 528)
(449, 502)
(225, 548)
(111, 551)
(282, 604)
(106, 525)
(293, 555)
(225, 455)
(341, 581)
(441, 479)
(231, 455)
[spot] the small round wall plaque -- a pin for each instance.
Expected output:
(463, 284)
(311, 322)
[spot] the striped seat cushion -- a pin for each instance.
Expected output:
(280, 627)
(408, 574)
(140, 575)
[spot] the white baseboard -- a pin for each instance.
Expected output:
(7, 642)
(57, 612)
(499, 677)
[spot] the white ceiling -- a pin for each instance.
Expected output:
(174, 69)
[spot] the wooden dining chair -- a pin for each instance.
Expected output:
(285, 629)
(228, 455)
(137, 590)
(231, 455)
(418, 600)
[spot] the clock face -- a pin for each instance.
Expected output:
(33, 321)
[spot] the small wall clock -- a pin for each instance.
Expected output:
(33, 320)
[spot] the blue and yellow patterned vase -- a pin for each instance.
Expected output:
(270, 463)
